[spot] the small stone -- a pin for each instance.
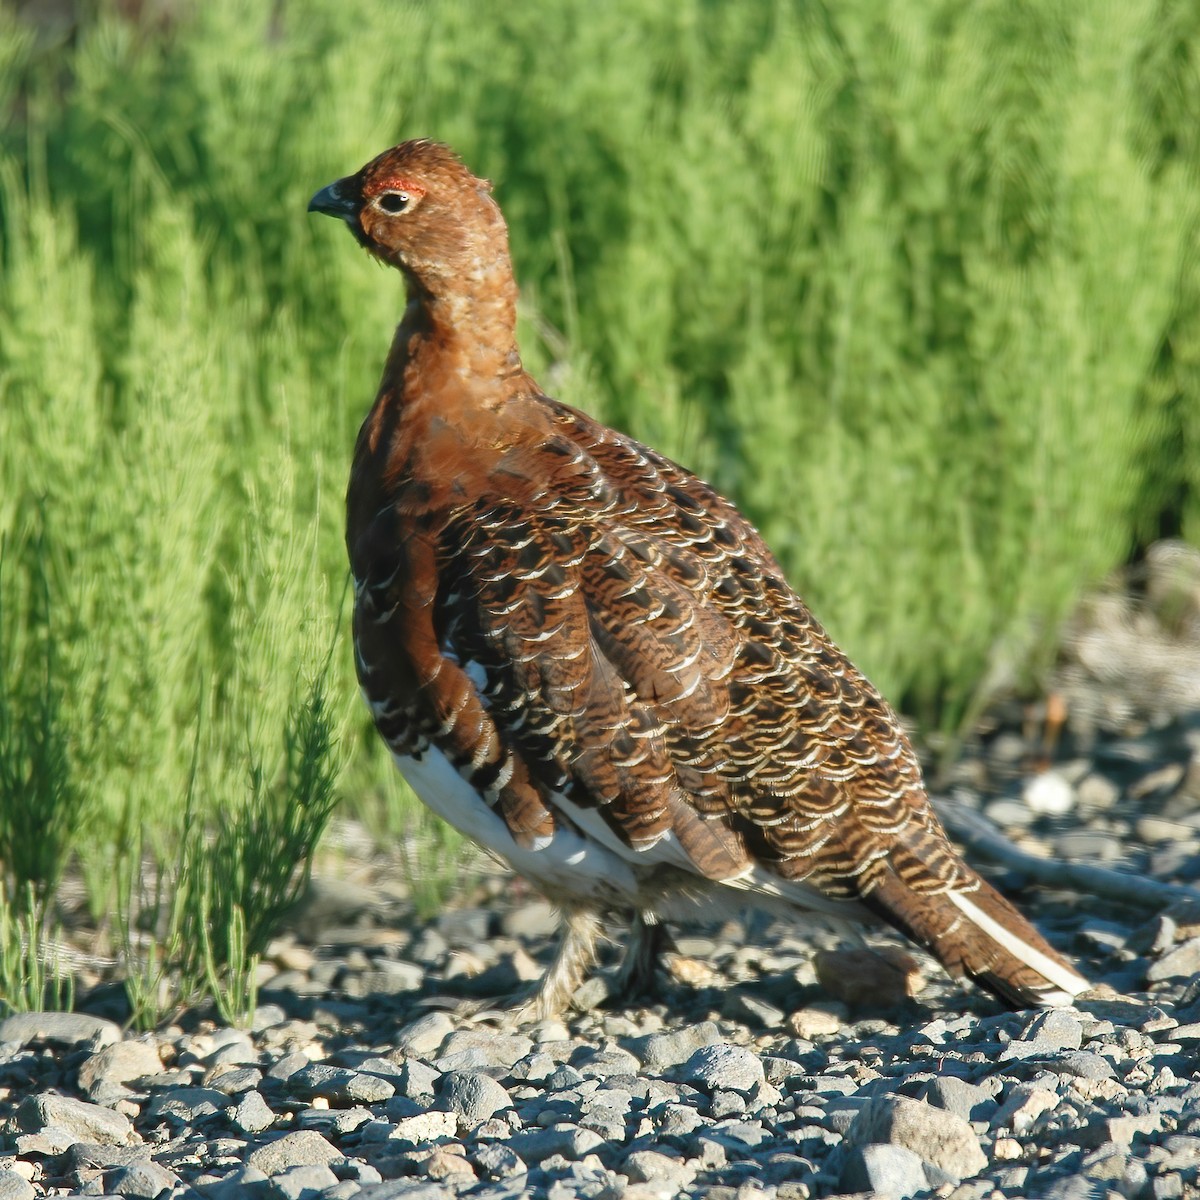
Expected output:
(1184, 960)
(1006, 1149)
(497, 1049)
(449, 1163)
(723, 1066)
(418, 1081)
(816, 1020)
(537, 919)
(649, 1166)
(956, 1095)
(658, 1051)
(936, 1135)
(59, 1029)
(1055, 1029)
(742, 1005)
(465, 927)
(15, 1187)
(119, 1063)
(1097, 793)
(425, 1127)
(1025, 1103)
(424, 1036)
(600, 1064)
(304, 1148)
(1082, 1064)
(188, 1105)
(874, 979)
(83, 1122)
(679, 1119)
(497, 1161)
(234, 1080)
(339, 1085)
(1048, 793)
(252, 1114)
(1118, 1010)
(590, 994)
(1115, 1131)
(474, 1097)
(563, 1138)
(303, 1182)
(288, 1065)
(140, 1181)
(726, 1104)
(883, 1170)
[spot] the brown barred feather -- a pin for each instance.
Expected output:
(587, 658)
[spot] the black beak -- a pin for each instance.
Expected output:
(334, 200)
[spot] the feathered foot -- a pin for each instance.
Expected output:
(648, 941)
(573, 960)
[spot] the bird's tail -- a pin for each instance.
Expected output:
(974, 931)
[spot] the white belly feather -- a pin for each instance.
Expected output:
(564, 863)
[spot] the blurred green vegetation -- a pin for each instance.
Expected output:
(914, 281)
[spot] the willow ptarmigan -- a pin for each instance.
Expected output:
(586, 660)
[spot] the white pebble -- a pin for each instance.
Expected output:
(1049, 793)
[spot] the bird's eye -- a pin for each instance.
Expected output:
(392, 202)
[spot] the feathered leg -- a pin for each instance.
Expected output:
(648, 940)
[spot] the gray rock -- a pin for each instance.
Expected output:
(883, 1170)
(424, 1127)
(1183, 961)
(425, 1035)
(1073, 1187)
(1115, 1131)
(726, 1104)
(418, 1081)
(936, 1135)
(235, 1080)
(1083, 1064)
(83, 1122)
(59, 1029)
(140, 1181)
(304, 1182)
(15, 1187)
(743, 1005)
(497, 1161)
(724, 1067)
(679, 1119)
(252, 1115)
(497, 1049)
(569, 1140)
(304, 1148)
(472, 1096)
(118, 1063)
(339, 1085)
(188, 1105)
(649, 1166)
(612, 1061)
(658, 1051)
(408, 1189)
(956, 1095)
(238, 1184)
(591, 993)
(288, 1065)
(1056, 1029)
(374, 1064)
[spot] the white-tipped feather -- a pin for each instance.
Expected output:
(1058, 973)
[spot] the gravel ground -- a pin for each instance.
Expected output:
(778, 1061)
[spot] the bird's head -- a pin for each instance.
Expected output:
(418, 208)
